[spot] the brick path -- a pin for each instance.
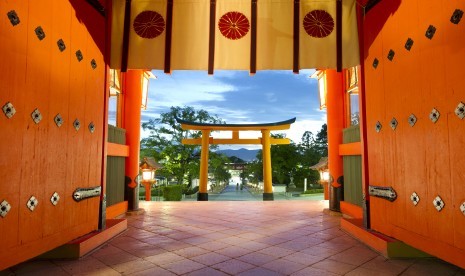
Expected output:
(235, 238)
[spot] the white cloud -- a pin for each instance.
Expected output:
(186, 90)
(300, 126)
(232, 115)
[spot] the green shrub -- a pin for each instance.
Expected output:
(155, 191)
(313, 191)
(172, 193)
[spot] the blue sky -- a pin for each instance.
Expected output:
(237, 97)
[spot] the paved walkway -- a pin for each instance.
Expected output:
(235, 238)
(231, 194)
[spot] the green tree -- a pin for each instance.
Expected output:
(307, 140)
(217, 166)
(164, 142)
(235, 160)
(293, 160)
(310, 155)
(284, 161)
(244, 175)
(321, 141)
(254, 170)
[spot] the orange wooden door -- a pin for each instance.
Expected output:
(40, 159)
(422, 158)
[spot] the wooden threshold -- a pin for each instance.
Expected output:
(81, 246)
(351, 210)
(117, 209)
(387, 246)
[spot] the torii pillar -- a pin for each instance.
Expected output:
(267, 175)
(203, 177)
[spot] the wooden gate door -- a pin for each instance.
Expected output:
(52, 98)
(414, 58)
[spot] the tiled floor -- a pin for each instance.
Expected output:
(235, 238)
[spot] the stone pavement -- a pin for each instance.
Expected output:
(235, 238)
(231, 194)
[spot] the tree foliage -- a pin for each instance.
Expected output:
(217, 167)
(321, 141)
(235, 160)
(165, 142)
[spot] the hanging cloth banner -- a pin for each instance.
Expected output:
(117, 30)
(189, 48)
(275, 34)
(318, 48)
(232, 35)
(147, 32)
(350, 47)
(317, 34)
(232, 25)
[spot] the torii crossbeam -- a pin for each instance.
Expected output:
(266, 141)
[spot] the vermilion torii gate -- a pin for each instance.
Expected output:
(266, 141)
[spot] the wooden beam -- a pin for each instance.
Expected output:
(211, 37)
(350, 149)
(231, 141)
(169, 29)
(127, 26)
(339, 35)
(235, 128)
(253, 39)
(117, 150)
(97, 6)
(296, 32)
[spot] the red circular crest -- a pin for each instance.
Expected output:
(234, 25)
(149, 24)
(318, 23)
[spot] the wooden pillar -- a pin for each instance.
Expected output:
(203, 178)
(335, 113)
(363, 122)
(267, 176)
(131, 122)
(148, 191)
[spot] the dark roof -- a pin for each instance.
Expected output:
(290, 121)
(150, 162)
(321, 165)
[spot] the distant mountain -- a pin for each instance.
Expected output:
(244, 154)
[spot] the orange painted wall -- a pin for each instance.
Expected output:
(40, 159)
(424, 158)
